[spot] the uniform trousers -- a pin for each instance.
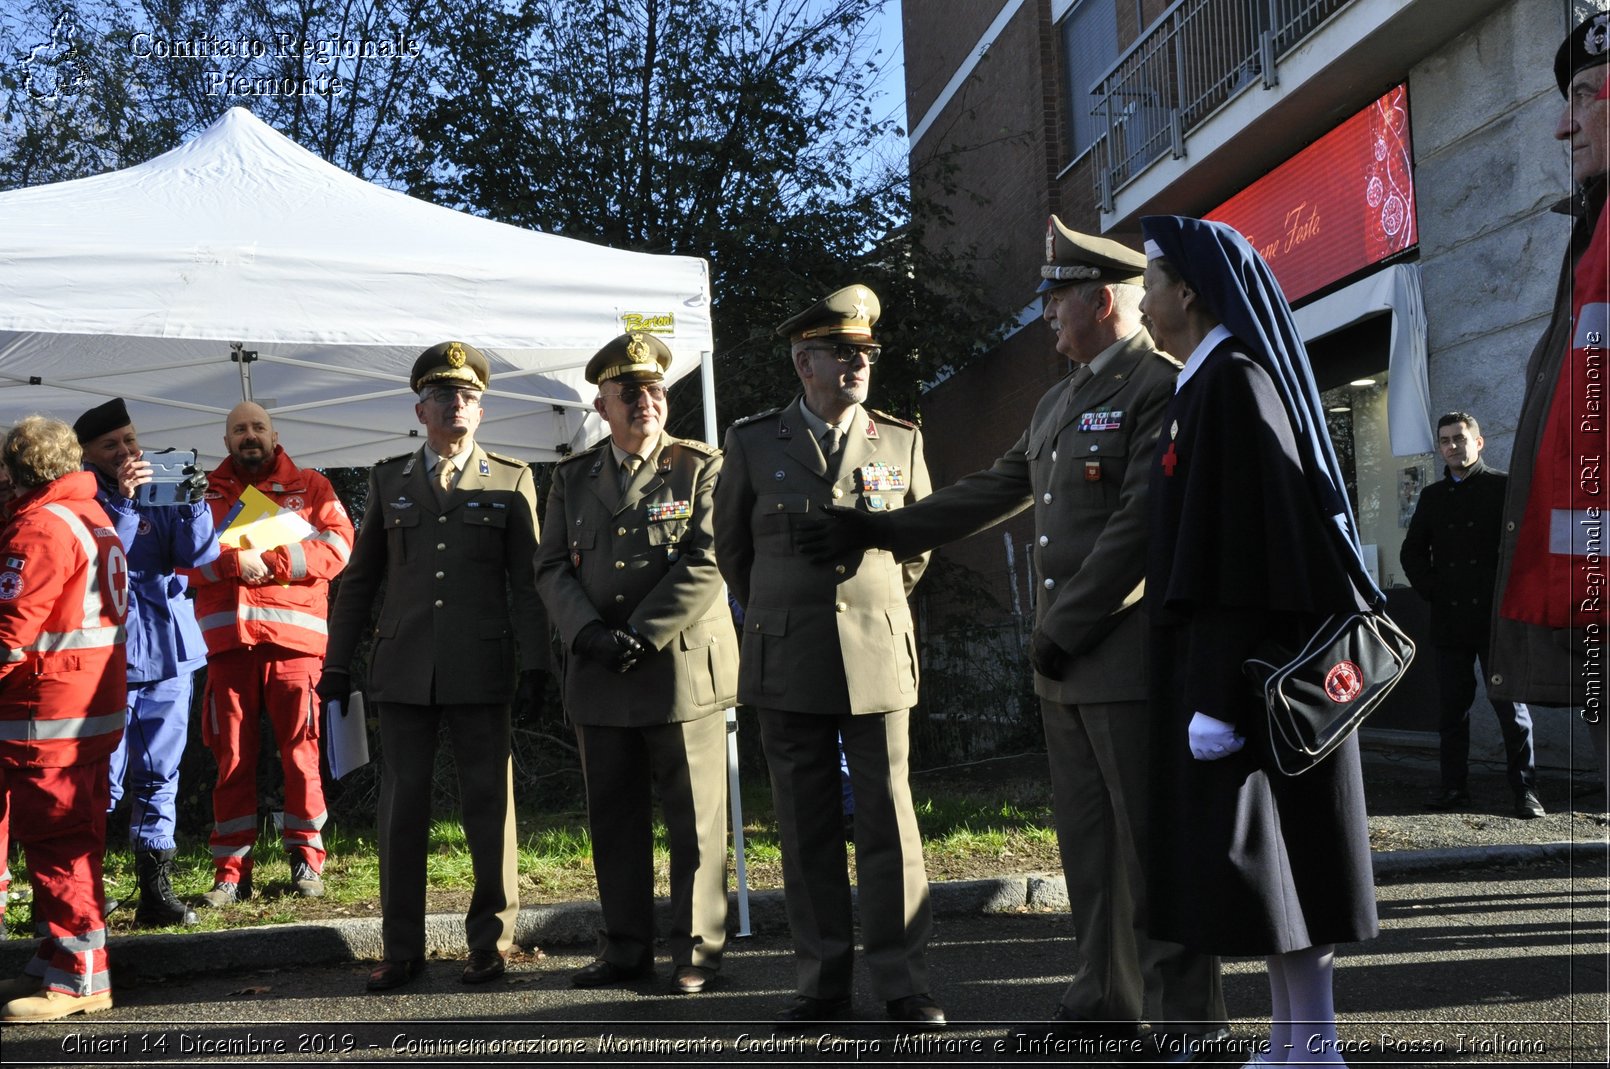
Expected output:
(58, 815)
(147, 759)
(896, 918)
(686, 765)
(1099, 755)
(1456, 685)
(242, 684)
(481, 736)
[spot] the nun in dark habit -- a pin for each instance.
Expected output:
(1252, 541)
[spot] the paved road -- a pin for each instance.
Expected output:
(1495, 966)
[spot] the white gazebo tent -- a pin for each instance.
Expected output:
(241, 266)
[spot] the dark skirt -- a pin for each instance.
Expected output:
(1244, 860)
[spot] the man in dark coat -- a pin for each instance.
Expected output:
(1450, 556)
(1539, 655)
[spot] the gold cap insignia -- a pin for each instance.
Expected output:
(455, 355)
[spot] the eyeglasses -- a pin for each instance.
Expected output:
(845, 353)
(447, 395)
(630, 391)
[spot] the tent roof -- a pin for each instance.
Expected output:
(135, 283)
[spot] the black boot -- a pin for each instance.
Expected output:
(159, 906)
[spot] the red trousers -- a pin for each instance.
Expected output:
(59, 817)
(242, 685)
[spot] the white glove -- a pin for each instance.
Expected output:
(1212, 739)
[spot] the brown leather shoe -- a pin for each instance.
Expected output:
(602, 973)
(483, 965)
(918, 1011)
(691, 979)
(389, 974)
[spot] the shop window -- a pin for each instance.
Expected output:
(1383, 488)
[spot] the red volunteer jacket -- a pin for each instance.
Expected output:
(64, 594)
(290, 610)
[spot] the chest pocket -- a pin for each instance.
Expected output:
(1096, 463)
(483, 529)
(583, 535)
(401, 524)
(667, 532)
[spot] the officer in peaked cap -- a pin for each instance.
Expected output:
(1082, 464)
(829, 652)
(1074, 257)
(847, 314)
(453, 362)
(627, 571)
(447, 543)
(632, 357)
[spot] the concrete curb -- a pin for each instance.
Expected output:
(577, 923)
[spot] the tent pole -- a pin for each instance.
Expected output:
(707, 384)
(238, 353)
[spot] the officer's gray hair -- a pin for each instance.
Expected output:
(1125, 297)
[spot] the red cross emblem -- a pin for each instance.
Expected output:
(1344, 682)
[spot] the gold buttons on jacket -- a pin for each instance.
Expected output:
(837, 493)
(619, 598)
(620, 531)
(840, 606)
(441, 519)
(441, 545)
(619, 565)
(838, 570)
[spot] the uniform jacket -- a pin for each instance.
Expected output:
(1450, 553)
(818, 636)
(444, 573)
(64, 596)
(1082, 463)
(1531, 663)
(290, 611)
(160, 540)
(646, 561)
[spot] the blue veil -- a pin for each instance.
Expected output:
(1219, 264)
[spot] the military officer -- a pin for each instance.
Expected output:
(1082, 465)
(627, 571)
(450, 532)
(828, 651)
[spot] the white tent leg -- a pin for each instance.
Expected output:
(707, 383)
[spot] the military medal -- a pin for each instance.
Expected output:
(875, 502)
(1092, 471)
(880, 476)
(669, 510)
(1103, 420)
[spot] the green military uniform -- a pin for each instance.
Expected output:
(444, 649)
(1083, 466)
(642, 559)
(829, 651)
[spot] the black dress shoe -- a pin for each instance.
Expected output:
(601, 973)
(808, 1010)
(1183, 1048)
(918, 1011)
(1452, 798)
(1527, 807)
(390, 974)
(483, 965)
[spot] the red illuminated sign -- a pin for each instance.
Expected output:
(1341, 204)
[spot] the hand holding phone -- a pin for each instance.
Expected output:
(170, 477)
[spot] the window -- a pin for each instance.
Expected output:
(1089, 47)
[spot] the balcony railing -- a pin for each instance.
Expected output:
(1193, 59)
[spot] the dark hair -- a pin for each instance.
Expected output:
(1450, 418)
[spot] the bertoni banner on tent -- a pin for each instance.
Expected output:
(240, 265)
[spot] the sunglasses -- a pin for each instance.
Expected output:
(845, 353)
(630, 392)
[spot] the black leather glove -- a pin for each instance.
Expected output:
(334, 686)
(838, 532)
(615, 650)
(195, 485)
(1048, 658)
(529, 695)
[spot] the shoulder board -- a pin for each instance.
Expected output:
(585, 454)
(896, 420)
(501, 459)
(696, 446)
(757, 416)
(393, 460)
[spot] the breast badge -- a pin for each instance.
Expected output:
(882, 477)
